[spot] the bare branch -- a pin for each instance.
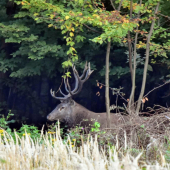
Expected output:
(91, 29)
(120, 4)
(112, 5)
(157, 88)
(131, 8)
(93, 4)
(164, 16)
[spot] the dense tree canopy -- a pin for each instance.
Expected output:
(41, 39)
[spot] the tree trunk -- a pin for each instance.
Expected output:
(132, 95)
(131, 99)
(130, 55)
(146, 63)
(107, 85)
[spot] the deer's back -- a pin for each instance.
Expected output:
(116, 119)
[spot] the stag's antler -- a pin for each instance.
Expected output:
(78, 84)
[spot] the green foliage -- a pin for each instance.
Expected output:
(52, 128)
(76, 135)
(30, 130)
(167, 146)
(66, 75)
(4, 121)
(115, 71)
(36, 47)
(67, 64)
(96, 127)
(69, 21)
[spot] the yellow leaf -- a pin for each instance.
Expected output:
(72, 29)
(126, 21)
(50, 25)
(52, 16)
(124, 25)
(67, 17)
(71, 34)
(73, 49)
(35, 14)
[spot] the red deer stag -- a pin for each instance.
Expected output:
(75, 114)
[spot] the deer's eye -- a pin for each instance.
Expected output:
(61, 108)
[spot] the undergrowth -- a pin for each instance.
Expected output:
(29, 148)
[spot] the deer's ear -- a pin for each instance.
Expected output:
(72, 102)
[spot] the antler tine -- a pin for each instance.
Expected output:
(53, 95)
(88, 73)
(66, 82)
(78, 84)
(76, 78)
(84, 71)
(65, 85)
(79, 81)
(70, 92)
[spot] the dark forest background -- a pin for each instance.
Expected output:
(30, 65)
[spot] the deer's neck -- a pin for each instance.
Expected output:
(83, 116)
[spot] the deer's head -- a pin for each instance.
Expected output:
(65, 110)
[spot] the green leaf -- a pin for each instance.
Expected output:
(68, 74)
(66, 64)
(150, 68)
(142, 126)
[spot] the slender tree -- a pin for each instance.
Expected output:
(107, 85)
(133, 75)
(146, 60)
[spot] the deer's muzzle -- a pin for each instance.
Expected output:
(50, 117)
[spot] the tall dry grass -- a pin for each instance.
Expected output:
(49, 153)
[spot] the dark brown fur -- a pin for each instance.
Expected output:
(75, 114)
